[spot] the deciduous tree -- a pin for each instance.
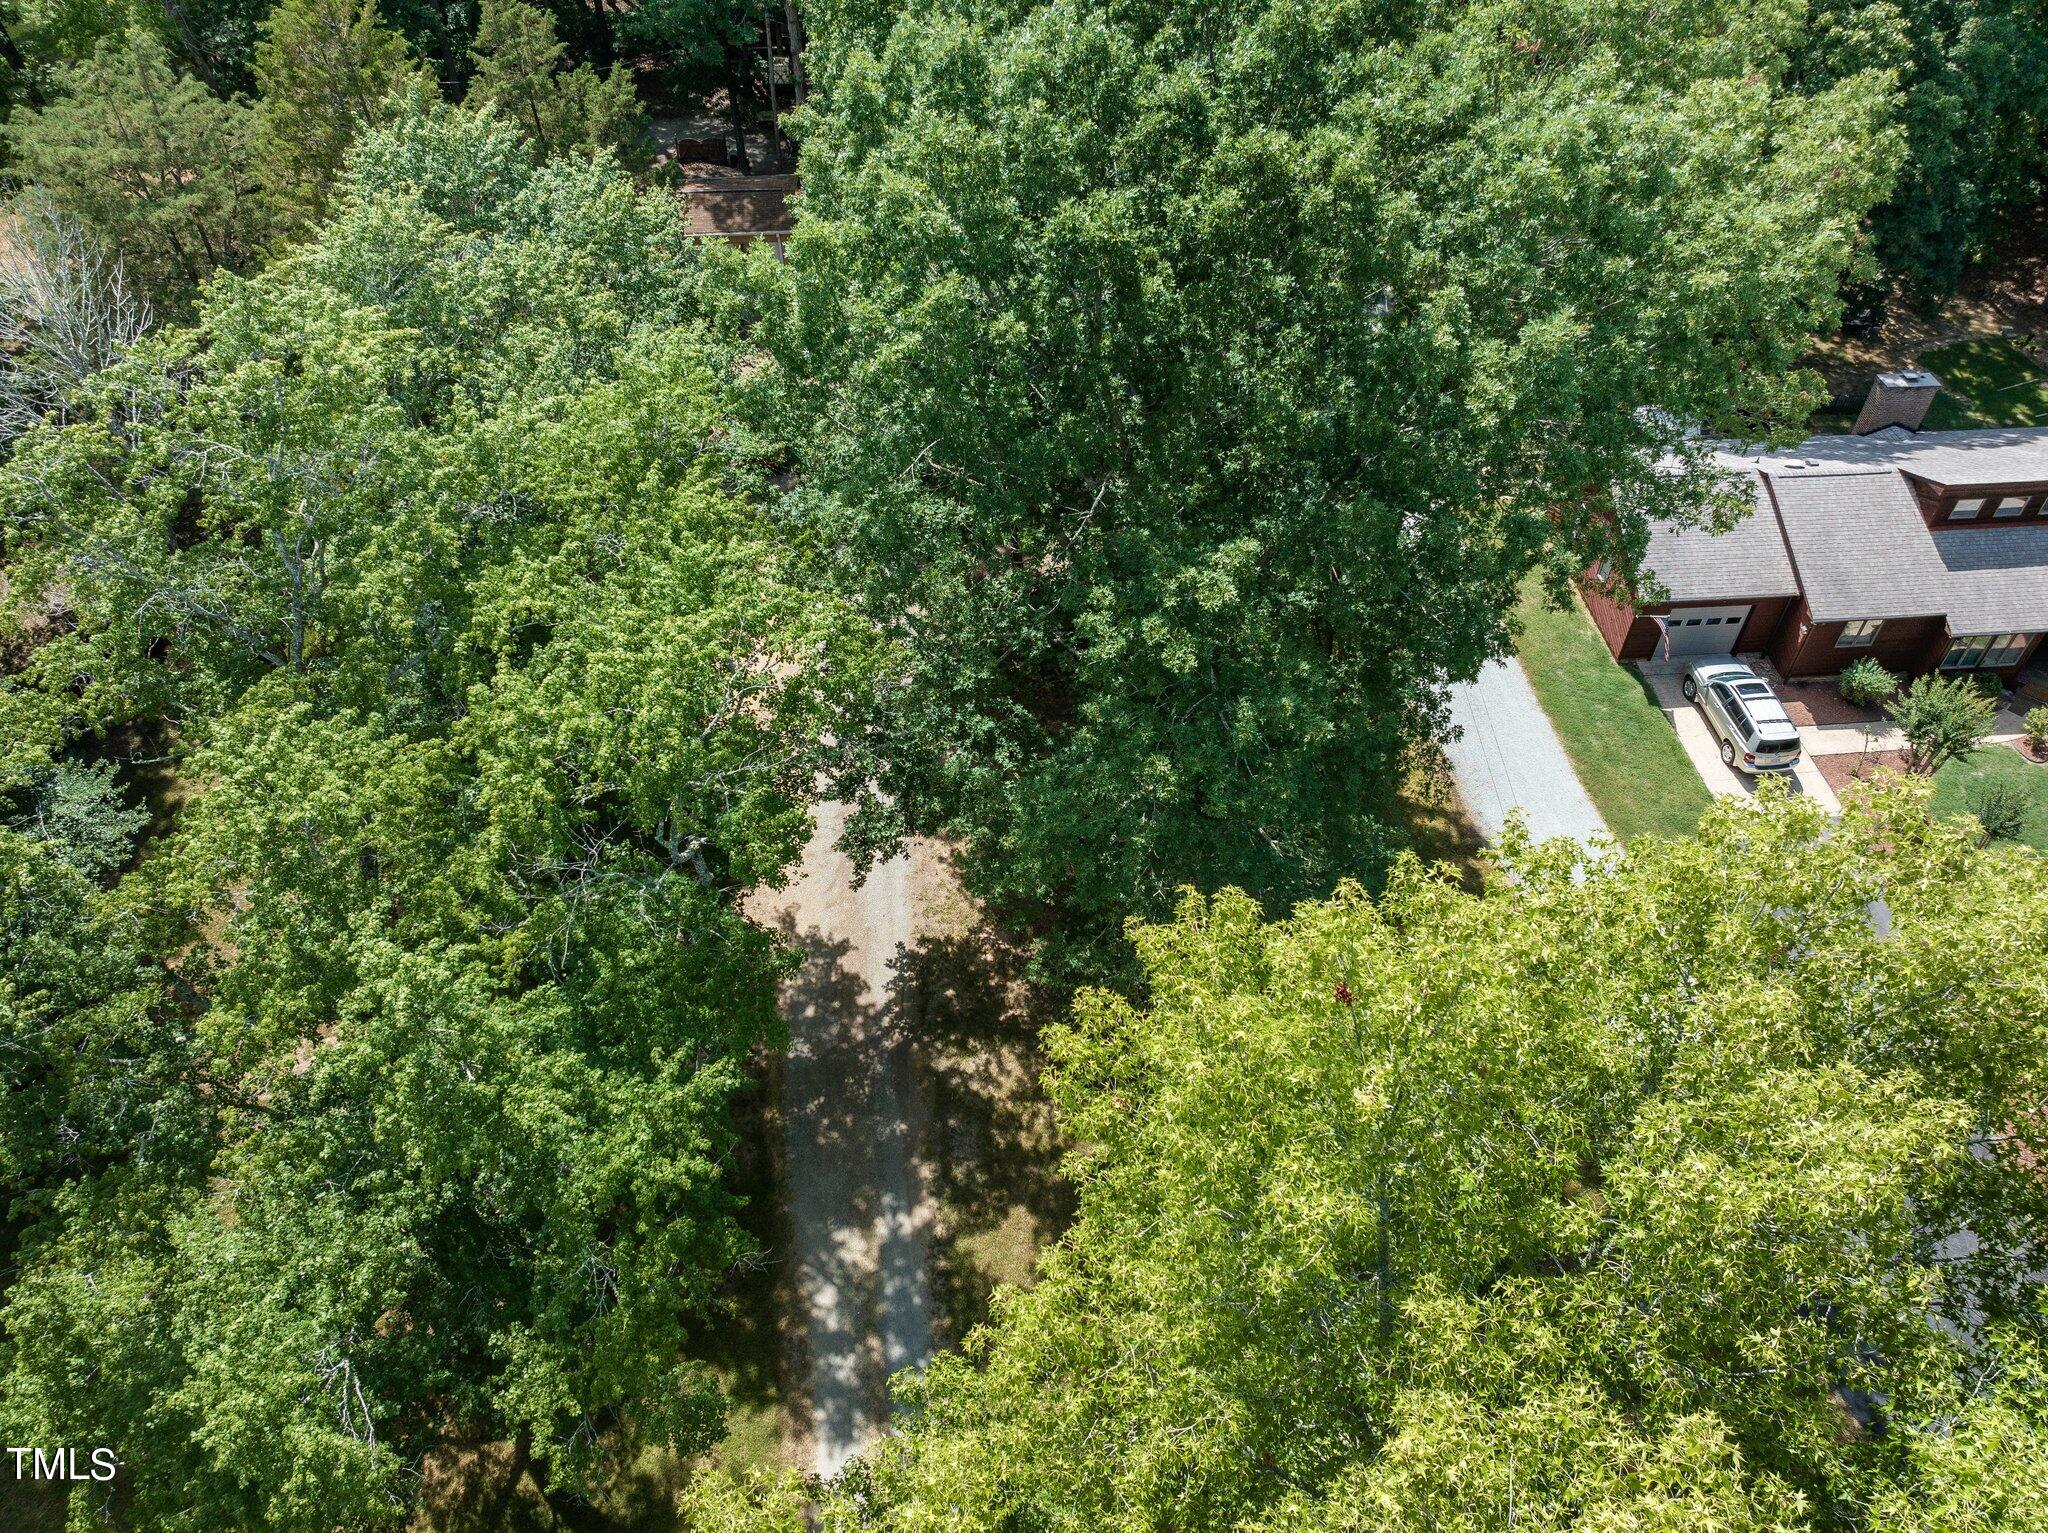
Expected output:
(1943, 719)
(67, 310)
(499, 687)
(1973, 161)
(1624, 1202)
(1190, 387)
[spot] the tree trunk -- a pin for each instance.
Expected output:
(796, 51)
(736, 61)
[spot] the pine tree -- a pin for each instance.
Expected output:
(324, 70)
(147, 159)
(519, 70)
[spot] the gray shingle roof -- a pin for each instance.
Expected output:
(1860, 545)
(1748, 560)
(1992, 455)
(1864, 550)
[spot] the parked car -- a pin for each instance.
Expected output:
(1755, 731)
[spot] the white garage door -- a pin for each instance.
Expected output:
(1704, 630)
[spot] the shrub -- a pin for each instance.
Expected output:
(2002, 807)
(1866, 684)
(2037, 731)
(1943, 718)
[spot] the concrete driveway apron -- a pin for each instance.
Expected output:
(1703, 748)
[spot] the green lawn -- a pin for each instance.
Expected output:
(1952, 785)
(1986, 382)
(1619, 740)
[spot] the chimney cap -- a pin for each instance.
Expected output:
(1909, 378)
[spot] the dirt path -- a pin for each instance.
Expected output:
(858, 1215)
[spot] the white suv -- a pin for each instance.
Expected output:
(1756, 733)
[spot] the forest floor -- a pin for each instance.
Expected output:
(2005, 298)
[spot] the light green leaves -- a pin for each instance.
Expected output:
(1602, 1203)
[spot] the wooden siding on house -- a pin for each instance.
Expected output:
(1613, 616)
(1765, 619)
(1783, 628)
(1631, 633)
(1937, 502)
(1907, 645)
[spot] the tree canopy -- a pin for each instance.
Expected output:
(494, 689)
(325, 69)
(1191, 389)
(145, 157)
(1974, 161)
(1702, 1192)
(520, 71)
(1160, 403)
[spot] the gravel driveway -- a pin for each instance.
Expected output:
(1506, 756)
(857, 1212)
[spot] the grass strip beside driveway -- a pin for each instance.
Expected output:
(1621, 745)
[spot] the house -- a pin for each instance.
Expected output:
(1923, 549)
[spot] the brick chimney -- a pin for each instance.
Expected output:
(1898, 399)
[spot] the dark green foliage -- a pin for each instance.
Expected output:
(1975, 117)
(440, 32)
(1191, 388)
(1867, 683)
(520, 71)
(697, 39)
(217, 39)
(325, 70)
(96, 1075)
(2003, 807)
(147, 159)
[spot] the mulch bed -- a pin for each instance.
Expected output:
(2021, 747)
(1817, 702)
(1841, 771)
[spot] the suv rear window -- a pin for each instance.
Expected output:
(1778, 745)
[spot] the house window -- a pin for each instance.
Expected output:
(1966, 510)
(1984, 651)
(2010, 505)
(1860, 634)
